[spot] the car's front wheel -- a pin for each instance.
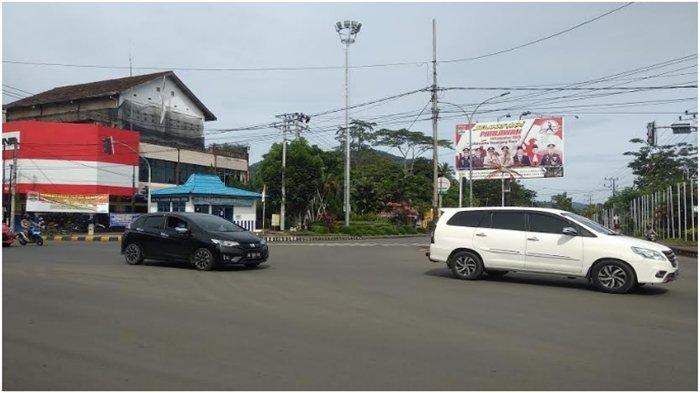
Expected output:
(203, 259)
(466, 265)
(133, 254)
(613, 277)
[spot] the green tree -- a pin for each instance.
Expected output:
(409, 144)
(304, 177)
(658, 166)
(361, 135)
(562, 202)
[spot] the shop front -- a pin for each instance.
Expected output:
(204, 193)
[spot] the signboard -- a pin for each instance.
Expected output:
(63, 203)
(443, 185)
(275, 220)
(518, 149)
(122, 219)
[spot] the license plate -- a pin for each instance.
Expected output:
(254, 255)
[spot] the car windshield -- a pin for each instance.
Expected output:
(216, 224)
(589, 223)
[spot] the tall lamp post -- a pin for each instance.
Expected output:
(347, 30)
(469, 120)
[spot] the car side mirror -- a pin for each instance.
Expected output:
(569, 231)
(181, 230)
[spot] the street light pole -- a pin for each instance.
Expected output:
(148, 165)
(469, 121)
(347, 30)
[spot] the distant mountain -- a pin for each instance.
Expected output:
(576, 205)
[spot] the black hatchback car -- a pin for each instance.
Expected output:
(201, 239)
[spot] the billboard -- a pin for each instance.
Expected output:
(63, 203)
(518, 149)
(67, 158)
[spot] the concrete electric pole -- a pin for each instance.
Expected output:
(613, 185)
(13, 185)
(291, 122)
(434, 98)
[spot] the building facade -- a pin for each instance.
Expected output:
(61, 133)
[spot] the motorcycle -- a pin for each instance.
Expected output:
(650, 237)
(32, 235)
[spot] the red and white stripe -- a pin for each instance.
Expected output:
(68, 158)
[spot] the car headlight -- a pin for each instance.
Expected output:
(263, 242)
(225, 243)
(649, 254)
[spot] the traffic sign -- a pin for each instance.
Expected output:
(443, 185)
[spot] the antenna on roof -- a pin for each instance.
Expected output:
(130, 60)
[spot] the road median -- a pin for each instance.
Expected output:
(268, 238)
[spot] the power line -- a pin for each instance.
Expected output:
(324, 67)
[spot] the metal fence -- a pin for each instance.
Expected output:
(670, 212)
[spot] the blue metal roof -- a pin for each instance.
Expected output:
(203, 184)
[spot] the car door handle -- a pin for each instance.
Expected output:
(481, 234)
(533, 239)
(164, 234)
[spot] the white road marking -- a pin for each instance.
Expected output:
(326, 244)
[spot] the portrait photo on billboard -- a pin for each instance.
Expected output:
(518, 149)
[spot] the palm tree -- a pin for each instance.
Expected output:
(445, 170)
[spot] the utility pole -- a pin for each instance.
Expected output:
(434, 98)
(13, 185)
(612, 180)
(295, 122)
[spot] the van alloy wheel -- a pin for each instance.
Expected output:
(465, 265)
(612, 277)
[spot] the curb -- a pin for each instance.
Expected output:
(86, 238)
(269, 239)
(685, 251)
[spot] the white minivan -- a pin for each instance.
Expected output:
(496, 240)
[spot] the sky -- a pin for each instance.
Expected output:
(272, 35)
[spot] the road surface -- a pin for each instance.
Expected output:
(352, 316)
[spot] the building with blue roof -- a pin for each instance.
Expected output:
(205, 193)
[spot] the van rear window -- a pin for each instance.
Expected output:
(470, 218)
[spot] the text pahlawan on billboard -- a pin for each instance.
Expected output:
(520, 149)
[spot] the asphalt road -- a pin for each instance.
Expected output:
(368, 315)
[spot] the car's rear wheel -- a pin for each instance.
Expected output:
(133, 254)
(613, 277)
(203, 259)
(466, 265)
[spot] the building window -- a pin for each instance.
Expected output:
(163, 206)
(161, 171)
(158, 89)
(179, 206)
